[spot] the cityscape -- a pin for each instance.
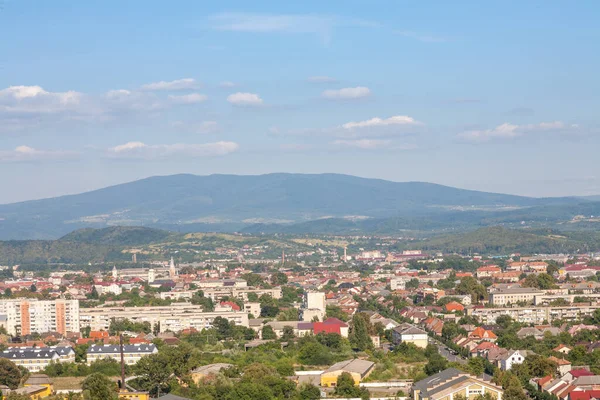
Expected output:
(299, 200)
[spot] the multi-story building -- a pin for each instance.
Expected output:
(513, 296)
(132, 353)
(533, 315)
(26, 316)
(314, 306)
(242, 293)
(36, 359)
(175, 317)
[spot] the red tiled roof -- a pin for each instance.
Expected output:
(576, 373)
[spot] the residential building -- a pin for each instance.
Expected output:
(406, 333)
(174, 317)
(451, 382)
(533, 315)
(27, 316)
(513, 357)
(314, 306)
(331, 325)
(132, 353)
(359, 369)
(513, 296)
(33, 360)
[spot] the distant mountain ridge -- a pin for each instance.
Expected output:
(225, 202)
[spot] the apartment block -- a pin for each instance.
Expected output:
(513, 296)
(132, 353)
(175, 317)
(533, 315)
(26, 316)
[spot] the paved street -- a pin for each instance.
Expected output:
(447, 354)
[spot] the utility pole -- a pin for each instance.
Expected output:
(122, 362)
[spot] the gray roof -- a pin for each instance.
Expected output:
(445, 379)
(29, 354)
(433, 380)
(172, 397)
(408, 329)
(361, 367)
(38, 379)
(127, 348)
(60, 350)
(587, 380)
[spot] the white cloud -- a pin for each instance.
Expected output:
(227, 84)
(140, 150)
(192, 98)
(34, 99)
(375, 122)
(509, 131)
(245, 99)
(365, 144)
(346, 93)
(321, 79)
(179, 84)
(29, 154)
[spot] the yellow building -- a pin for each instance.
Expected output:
(359, 369)
(134, 396)
(37, 386)
(448, 384)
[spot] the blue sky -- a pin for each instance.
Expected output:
(496, 96)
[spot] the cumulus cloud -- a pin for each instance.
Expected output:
(178, 84)
(34, 99)
(374, 122)
(29, 154)
(140, 150)
(346, 93)
(321, 79)
(192, 98)
(244, 99)
(509, 131)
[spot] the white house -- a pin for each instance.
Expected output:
(513, 357)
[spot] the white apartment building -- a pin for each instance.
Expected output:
(314, 306)
(513, 296)
(174, 317)
(533, 315)
(132, 353)
(26, 316)
(35, 359)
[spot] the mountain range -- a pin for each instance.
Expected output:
(294, 203)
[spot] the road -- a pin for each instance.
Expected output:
(447, 353)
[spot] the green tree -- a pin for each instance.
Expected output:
(435, 364)
(412, 284)
(98, 387)
(154, 372)
(336, 312)
(309, 392)
(278, 279)
(268, 333)
(288, 333)
(359, 335)
(10, 374)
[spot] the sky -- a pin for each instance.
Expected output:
(498, 96)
